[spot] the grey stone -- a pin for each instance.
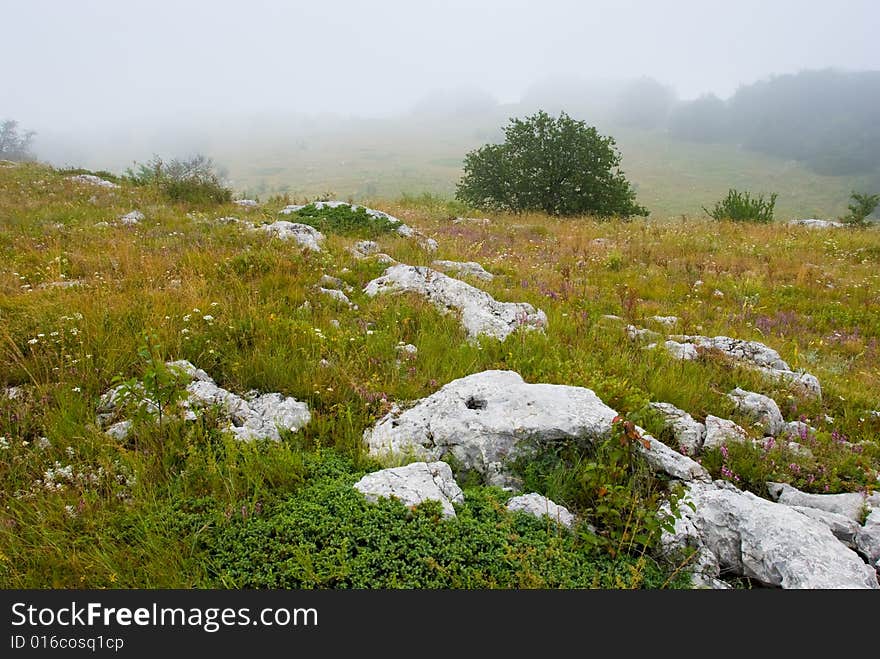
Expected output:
(843, 528)
(303, 234)
(339, 296)
(760, 409)
(722, 431)
(132, 218)
(480, 313)
(414, 484)
(688, 433)
(867, 539)
(470, 268)
(246, 203)
(93, 180)
(539, 506)
(772, 543)
(486, 420)
(848, 504)
(813, 223)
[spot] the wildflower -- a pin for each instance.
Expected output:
(4, 443)
(33, 342)
(76, 390)
(724, 452)
(70, 510)
(186, 318)
(208, 318)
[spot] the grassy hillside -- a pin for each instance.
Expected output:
(387, 159)
(182, 505)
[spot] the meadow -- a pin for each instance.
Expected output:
(83, 304)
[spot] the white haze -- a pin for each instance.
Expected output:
(94, 74)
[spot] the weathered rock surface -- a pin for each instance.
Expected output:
(666, 321)
(770, 542)
(814, 223)
(339, 296)
(481, 314)
(488, 419)
(867, 539)
(132, 218)
(253, 416)
(246, 203)
(849, 504)
(470, 268)
(414, 484)
(749, 353)
(91, 179)
(334, 282)
(843, 528)
(306, 236)
(641, 333)
(688, 433)
(539, 506)
(760, 409)
(722, 431)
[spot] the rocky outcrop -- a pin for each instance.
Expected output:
(132, 218)
(748, 536)
(486, 420)
(464, 268)
(303, 234)
(722, 431)
(249, 417)
(760, 409)
(91, 179)
(813, 223)
(867, 539)
(401, 228)
(537, 505)
(851, 505)
(414, 484)
(689, 434)
(481, 314)
(843, 528)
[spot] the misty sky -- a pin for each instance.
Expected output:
(66, 63)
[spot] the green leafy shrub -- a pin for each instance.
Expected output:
(741, 207)
(557, 165)
(609, 484)
(328, 536)
(194, 180)
(862, 206)
(345, 220)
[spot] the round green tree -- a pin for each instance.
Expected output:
(557, 165)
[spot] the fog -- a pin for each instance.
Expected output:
(104, 82)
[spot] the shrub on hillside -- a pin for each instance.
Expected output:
(556, 165)
(345, 220)
(741, 207)
(863, 204)
(194, 180)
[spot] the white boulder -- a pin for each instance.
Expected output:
(303, 234)
(469, 268)
(481, 314)
(688, 433)
(414, 484)
(539, 506)
(722, 431)
(760, 409)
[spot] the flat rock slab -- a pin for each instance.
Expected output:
(481, 314)
(773, 543)
(250, 417)
(849, 504)
(537, 505)
(93, 180)
(414, 484)
(461, 268)
(486, 420)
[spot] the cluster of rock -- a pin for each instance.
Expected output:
(813, 223)
(752, 354)
(465, 268)
(249, 417)
(482, 423)
(91, 179)
(304, 235)
(481, 314)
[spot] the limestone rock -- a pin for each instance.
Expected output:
(246, 203)
(761, 409)
(471, 268)
(306, 236)
(480, 313)
(93, 180)
(813, 223)
(414, 484)
(843, 528)
(722, 431)
(770, 542)
(488, 419)
(132, 218)
(849, 504)
(539, 506)
(688, 432)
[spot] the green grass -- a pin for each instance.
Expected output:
(166, 508)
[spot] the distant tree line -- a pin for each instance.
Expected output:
(828, 120)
